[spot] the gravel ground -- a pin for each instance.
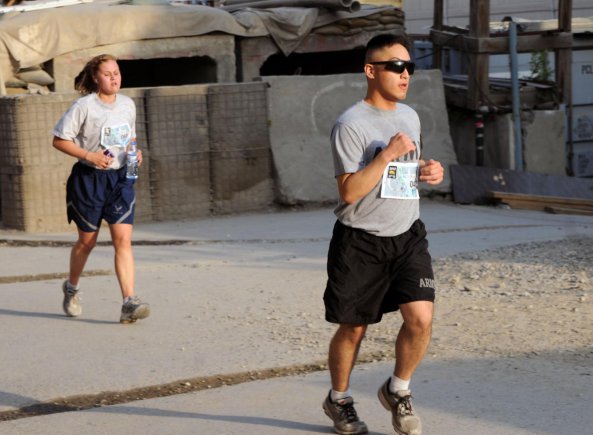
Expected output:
(531, 299)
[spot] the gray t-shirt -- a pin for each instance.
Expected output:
(359, 134)
(94, 125)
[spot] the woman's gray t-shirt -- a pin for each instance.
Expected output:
(87, 120)
(359, 134)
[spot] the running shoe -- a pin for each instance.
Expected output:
(133, 310)
(404, 419)
(71, 302)
(343, 414)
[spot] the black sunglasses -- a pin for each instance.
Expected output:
(397, 66)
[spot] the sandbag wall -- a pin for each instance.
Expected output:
(177, 120)
(32, 173)
(205, 150)
(241, 158)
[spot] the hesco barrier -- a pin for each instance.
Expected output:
(205, 150)
(241, 156)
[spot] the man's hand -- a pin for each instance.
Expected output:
(431, 171)
(399, 145)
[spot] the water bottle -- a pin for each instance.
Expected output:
(132, 161)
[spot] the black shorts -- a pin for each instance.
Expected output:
(370, 275)
(94, 194)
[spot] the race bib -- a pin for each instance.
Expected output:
(400, 181)
(116, 136)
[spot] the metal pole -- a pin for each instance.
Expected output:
(479, 129)
(516, 97)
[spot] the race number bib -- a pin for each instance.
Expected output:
(116, 136)
(400, 181)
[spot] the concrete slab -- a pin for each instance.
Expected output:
(465, 397)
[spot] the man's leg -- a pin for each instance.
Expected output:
(410, 347)
(343, 350)
(413, 338)
(339, 405)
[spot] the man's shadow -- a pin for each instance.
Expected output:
(234, 419)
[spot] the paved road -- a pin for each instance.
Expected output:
(224, 292)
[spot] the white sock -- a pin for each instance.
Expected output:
(72, 286)
(337, 395)
(397, 384)
(129, 298)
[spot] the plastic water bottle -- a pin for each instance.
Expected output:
(132, 161)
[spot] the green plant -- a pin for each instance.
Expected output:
(540, 67)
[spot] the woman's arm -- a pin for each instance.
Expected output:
(68, 147)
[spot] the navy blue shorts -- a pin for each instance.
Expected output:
(95, 194)
(370, 275)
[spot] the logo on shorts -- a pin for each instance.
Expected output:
(426, 283)
(117, 209)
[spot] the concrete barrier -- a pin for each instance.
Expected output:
(303, 110)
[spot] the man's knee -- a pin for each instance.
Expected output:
(421, 325)
(351, 332)
(418, 317)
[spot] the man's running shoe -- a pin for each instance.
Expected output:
(404, 419)
(343, 414)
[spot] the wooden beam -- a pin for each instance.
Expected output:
(437, 24)
(500, 44)
(456, 95)
(479, 63)
(563, 64)
(582, 42)
(565, 15)
(541, 202)
(568, 210)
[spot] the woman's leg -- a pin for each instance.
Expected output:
(121, 236)
(80, 253)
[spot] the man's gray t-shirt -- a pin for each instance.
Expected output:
(95, 126)
(359, 134)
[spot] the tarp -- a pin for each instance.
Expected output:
(31, 38)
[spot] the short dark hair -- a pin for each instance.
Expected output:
(387, 40)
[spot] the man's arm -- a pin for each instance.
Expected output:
(354, 186)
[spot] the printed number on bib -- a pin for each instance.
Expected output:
(116, 136)
(400, 181)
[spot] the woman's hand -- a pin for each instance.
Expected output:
(99, 159)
